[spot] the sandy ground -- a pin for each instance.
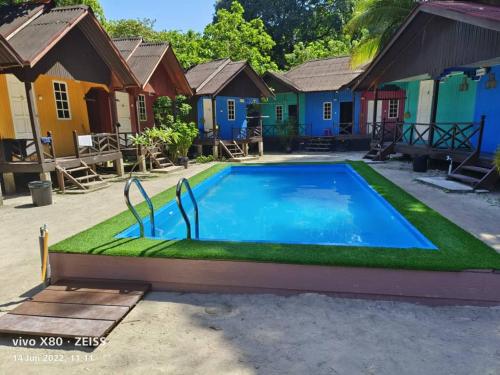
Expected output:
(253, 334)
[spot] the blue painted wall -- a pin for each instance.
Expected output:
(314, 110)
(225, 125)
(488, 104)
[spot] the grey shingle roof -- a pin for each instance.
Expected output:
(201, 72)
(127, 45)
(32, 30)
(143, 58)
(211, 77)
(41, 31)
(320, 75)
(8, 57)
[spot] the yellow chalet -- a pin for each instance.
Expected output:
(51, 58)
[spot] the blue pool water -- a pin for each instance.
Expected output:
(297, 204)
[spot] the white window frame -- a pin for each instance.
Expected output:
(66, 92)
(324, 111)
(141, 108)
(391, 101)
(233, 117)
(280, 107)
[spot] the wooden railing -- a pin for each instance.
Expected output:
(344, 128)
(457, 136)
(247, 133)
(24, 150)
(125, 140)
(95, 144)
(282, 130)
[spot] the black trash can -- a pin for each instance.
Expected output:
(41, 192)
(420, 163)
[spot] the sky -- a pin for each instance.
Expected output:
(169, 14)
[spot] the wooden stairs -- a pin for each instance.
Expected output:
(379, 151)
(232, 149)
(477, 172)
(81, 179)
(319, 144)
(159, 162)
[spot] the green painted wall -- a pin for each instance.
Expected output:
(411, 103)
(454, 104)
(285, 99)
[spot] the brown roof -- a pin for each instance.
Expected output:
(211, 77)
(436, 36)
(127, 45)
(319, 75)
(32, 31)
(144, 57)
(8, 57)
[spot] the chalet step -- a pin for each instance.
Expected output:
(93, 185)
(463, 178)
(87, 177)
(474, 168)
(77, 169)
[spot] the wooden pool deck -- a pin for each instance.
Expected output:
(72, 309)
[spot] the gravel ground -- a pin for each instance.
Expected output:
(171, 333)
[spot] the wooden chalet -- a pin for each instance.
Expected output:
(160, 74)
(446, 58)
(315, 97)
(51, 60)
(226, 103)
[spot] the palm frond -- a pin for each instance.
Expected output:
(365, 51)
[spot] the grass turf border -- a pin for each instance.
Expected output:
(458, 249)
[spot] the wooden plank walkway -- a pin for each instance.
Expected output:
(76, 308)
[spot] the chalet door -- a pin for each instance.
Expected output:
(123, 111)
(19, 108)
(208, 119)
(369, 114)
(424, 108)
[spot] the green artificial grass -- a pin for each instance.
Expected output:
(458, 249)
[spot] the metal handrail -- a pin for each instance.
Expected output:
(184, 181)
(126, 193)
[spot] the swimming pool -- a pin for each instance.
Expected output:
(325, 204)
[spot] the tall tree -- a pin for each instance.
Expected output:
(381, 18)
(292, 21)
(234, 37)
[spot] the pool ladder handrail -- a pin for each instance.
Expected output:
(178, 191)
(145, 195)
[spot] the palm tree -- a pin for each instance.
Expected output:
(381, 18)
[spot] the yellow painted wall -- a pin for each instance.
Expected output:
(6, 127)
(62, 130)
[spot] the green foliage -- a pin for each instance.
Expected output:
(234, 37)
(381, 18)
(319, 49)
(132, 28)
(205, 159)
(292, 21)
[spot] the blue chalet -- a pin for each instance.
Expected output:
(226, 103)
(446, 57)
(317, 95)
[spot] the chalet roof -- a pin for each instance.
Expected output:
(211, 77)
(436, 36)
(319, 75)
(144, 58)
(127, 45)
(8, 57)
(32, 30)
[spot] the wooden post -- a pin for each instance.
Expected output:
(374, 118)
(114, 116)
(35, 124)
(75, 143)
(480, 137)
(435, 97)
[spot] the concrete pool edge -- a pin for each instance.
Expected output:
(472, 287)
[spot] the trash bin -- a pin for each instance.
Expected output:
(41, 192)
(420, 163)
